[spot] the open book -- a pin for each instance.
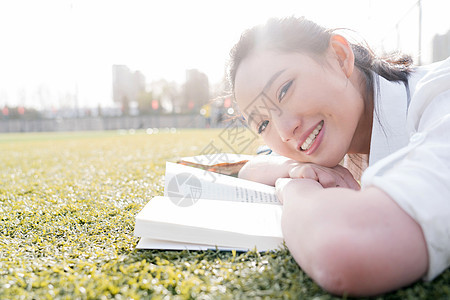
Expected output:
(224, 163)
(205, 210)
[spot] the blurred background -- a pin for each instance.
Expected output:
(108, 65)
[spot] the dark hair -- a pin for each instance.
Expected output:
(301, 35)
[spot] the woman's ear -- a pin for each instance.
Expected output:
(344, 53)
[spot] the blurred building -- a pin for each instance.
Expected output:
(168, 94)
(441, 46)
(196, 90)
(127, 87)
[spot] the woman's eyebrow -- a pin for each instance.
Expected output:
(271, 80)
(264, 94)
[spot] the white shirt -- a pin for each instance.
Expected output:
(410, 154)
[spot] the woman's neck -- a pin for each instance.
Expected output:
(363, 133)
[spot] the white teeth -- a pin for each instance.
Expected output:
(312, 137)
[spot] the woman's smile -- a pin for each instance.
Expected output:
(311, 138)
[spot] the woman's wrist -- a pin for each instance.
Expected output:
(288, 188)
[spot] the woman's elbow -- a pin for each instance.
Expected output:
(333, 270)
(341, 266)
(358, 248)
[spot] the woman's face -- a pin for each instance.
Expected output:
(304, 110)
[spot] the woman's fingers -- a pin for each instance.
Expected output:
(330, 179)
(304, 171)
(279, 187)
(327, 177)
(309, 171)
(348, 177)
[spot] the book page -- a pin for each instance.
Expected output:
(217, 159)
(233, 225)
(191, 184)
(223, 163)
(149, 243)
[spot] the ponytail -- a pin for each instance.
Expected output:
(393, 67)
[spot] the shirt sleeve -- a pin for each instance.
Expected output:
(417, 178)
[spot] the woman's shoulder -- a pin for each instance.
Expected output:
(434, 84)
(433, 66)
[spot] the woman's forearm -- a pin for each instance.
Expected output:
(266, 169)
(355, 242)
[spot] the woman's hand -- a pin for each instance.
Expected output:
(267, 169)
(337, 176)
(288, 188)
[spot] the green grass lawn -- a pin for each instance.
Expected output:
(67, 208)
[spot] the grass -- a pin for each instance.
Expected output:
(67, 207)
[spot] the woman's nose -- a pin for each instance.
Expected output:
(286, 127)
(284, 139)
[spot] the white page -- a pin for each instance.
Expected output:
(197, 184)
(212, 222)
(149, 243)
(217, 158)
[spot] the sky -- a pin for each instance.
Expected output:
(51, 49)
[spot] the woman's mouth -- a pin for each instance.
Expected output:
(312, 137)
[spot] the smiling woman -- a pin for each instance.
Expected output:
(311, 98)
(315, 98)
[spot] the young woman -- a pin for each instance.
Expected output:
(316, 99)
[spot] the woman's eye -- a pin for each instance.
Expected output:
(263, 126)
(284, 90)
